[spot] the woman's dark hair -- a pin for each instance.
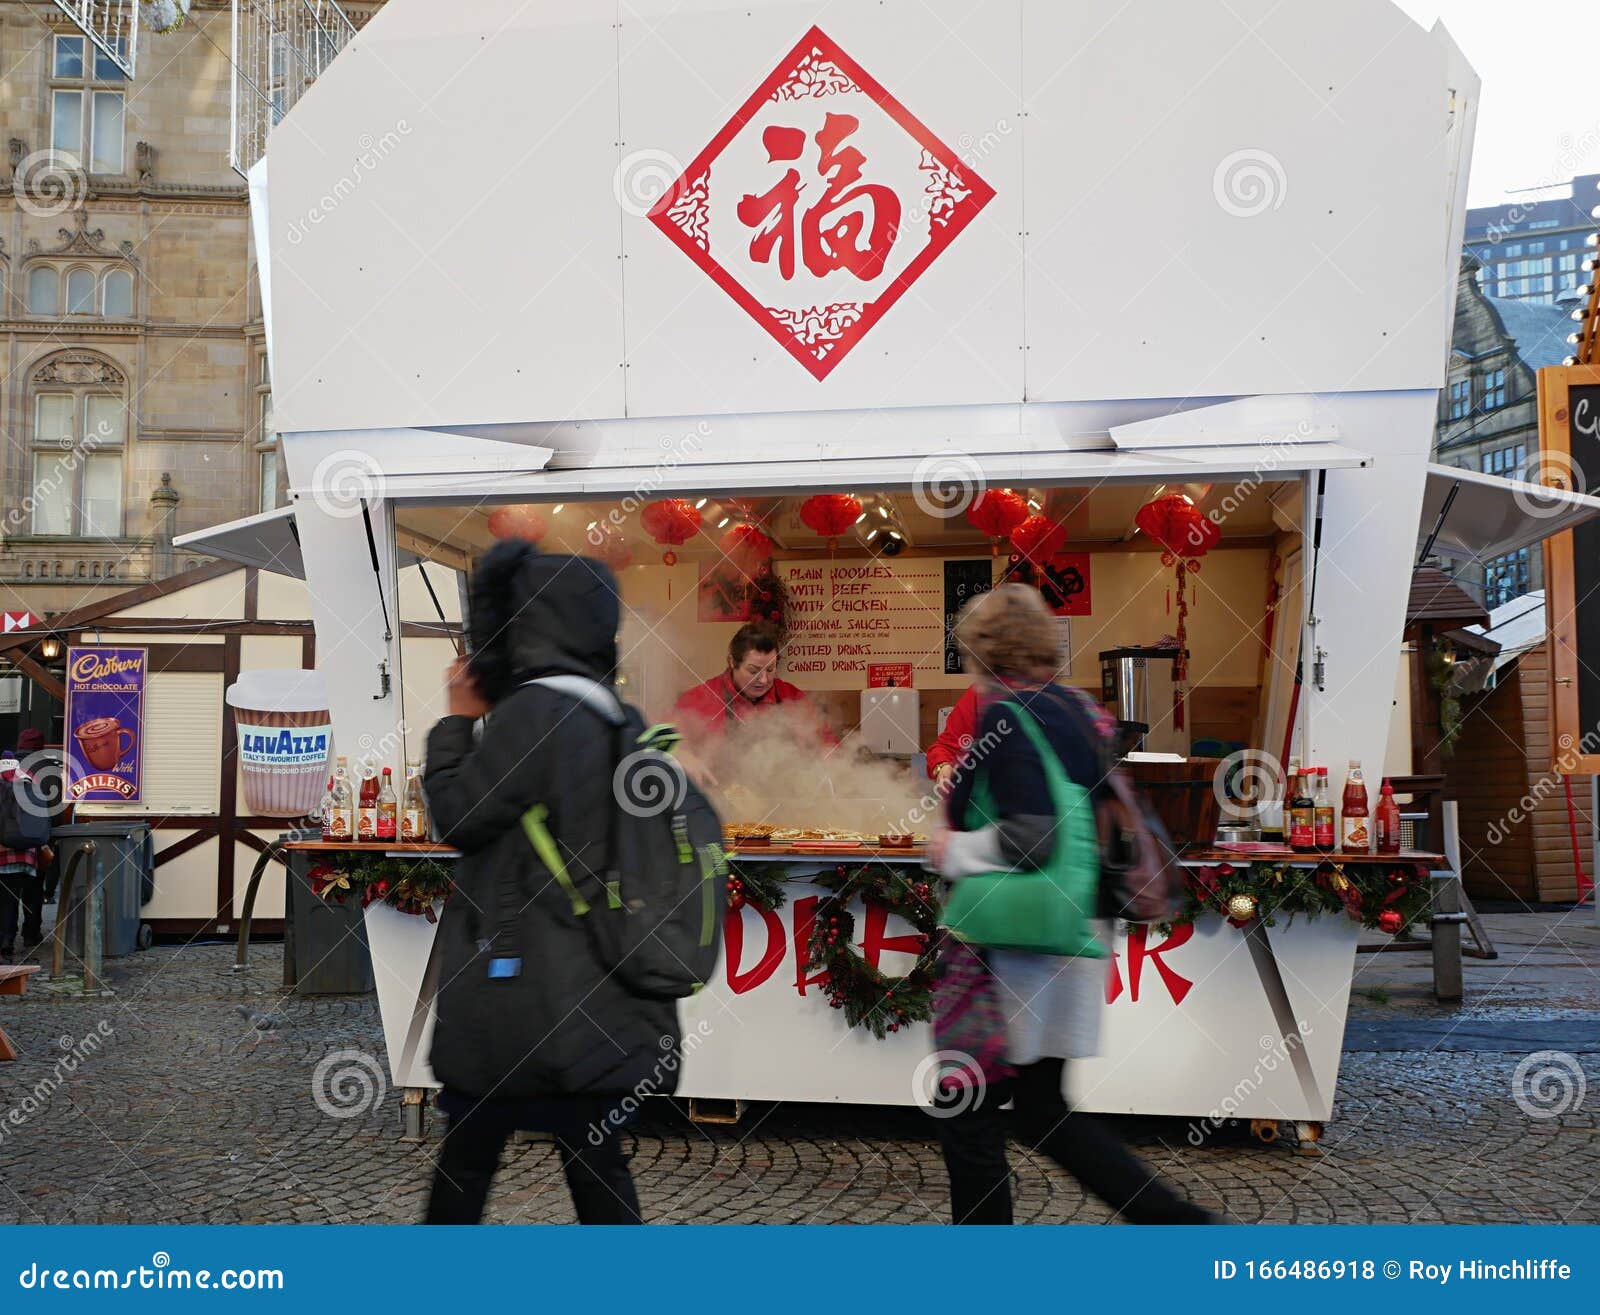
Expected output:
(753, 636)
(495, 601)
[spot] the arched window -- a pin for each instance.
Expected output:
(79, 436)
(80, 292)
(44, 291)
(119, 295)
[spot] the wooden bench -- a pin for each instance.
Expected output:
(13, 981)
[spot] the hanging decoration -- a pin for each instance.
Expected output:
(869, 997)
(1038, 539)
(673, 522)
(996, 514)
(747, 548)
(830, 515)
(163, 16)
(519, 521)
(1185, 536)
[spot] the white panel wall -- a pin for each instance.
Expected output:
(1240, 197)
(506, 304)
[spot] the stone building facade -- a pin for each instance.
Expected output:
(134, 397)
(1489, 410)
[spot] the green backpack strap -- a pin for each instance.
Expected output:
(544, 845)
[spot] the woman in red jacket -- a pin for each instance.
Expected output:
(748, 686)
(960, 729)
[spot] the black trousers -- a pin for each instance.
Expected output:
(591, 1158)
(974, 1144)
(24, 889)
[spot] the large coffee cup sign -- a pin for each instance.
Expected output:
(105, 723)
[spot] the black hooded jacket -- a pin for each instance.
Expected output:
(562, 1025)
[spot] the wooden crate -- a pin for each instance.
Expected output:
(1183, 796)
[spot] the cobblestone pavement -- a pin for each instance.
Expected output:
(180, 1111)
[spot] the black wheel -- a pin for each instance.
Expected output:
(147, 936)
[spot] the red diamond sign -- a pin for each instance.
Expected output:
(819, 203)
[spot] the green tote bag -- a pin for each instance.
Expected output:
(1043, 911)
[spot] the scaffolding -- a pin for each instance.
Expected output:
(280, 47)
(112, 25)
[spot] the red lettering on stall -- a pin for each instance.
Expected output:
(1177, 985)
(876, 938)
(733, 946)
(805, 917)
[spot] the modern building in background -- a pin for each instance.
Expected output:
(1534, 250)
(1489, 412)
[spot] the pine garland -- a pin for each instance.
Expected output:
(411, 885)
(1382, 897)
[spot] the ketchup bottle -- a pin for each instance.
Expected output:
(1388, 821)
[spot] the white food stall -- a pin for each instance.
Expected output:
(585, 256)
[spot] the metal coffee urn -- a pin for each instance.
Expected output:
(1136, 687)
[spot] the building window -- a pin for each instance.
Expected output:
(1494, 390)
(86, 292)
(1460, 398)
(87, 107)
(267, 442)
(78, 439)
(119, 295)
(80, 292)
(1505, 578)
(1506, 461)
(44, 290)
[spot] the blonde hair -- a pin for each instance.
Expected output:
(1009, 632)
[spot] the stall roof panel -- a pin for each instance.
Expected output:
(1315, 260)
(1490, 516)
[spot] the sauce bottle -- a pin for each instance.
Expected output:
(1388, 821)
(388, 808)
(1355, 827)
(414, 812)
(1302, 816)
(367, 811)
(1323, 816)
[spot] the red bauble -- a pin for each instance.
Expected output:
(1390, 921)
(747, 547)
(997, 513)
(830, 514)
(1177, 525)
(1038, 539)
(519, 521)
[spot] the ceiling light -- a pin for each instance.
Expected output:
(556, 510)
(884, 512)
(861, 518)
(701, 505)
(723, 521)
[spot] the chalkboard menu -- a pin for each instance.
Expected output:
(1583, 405)
(964, 580)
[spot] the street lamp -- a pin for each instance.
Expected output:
(50, 650)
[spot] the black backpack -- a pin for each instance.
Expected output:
(24, 812)
(657, 918)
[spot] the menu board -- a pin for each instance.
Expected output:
(848, 615)
(962, 580)
(1583, 403)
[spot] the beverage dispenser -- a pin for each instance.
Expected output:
(1136, 686)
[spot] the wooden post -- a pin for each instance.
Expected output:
(1447, 984)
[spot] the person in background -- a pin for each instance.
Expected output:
(748, 686)
(20, 869)
(1052, 1004)
(960, 730)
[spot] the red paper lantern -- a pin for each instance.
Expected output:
(747, 547)
(830, 514)
(1178, 526)
(672, 521)
(519, 521)
(997, 513)
(1039, 539)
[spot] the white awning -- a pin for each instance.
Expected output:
(267, 541)
(1037, 468)
(1491, 516)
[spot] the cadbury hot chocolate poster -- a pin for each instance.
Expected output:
(105, 723)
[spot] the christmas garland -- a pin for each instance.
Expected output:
(758, 885)
(1381, 897)
(869, 997)
(412, 885)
